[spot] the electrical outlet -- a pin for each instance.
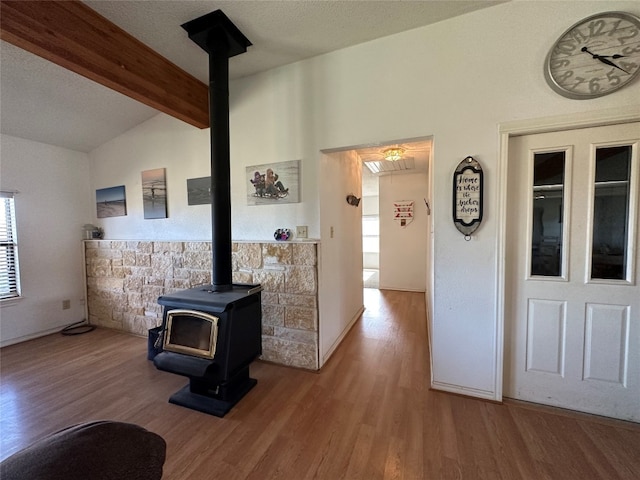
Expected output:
(301, 231)
(66, 304)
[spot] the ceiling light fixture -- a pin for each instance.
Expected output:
(393, 154)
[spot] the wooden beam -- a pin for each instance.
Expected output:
(76, 37)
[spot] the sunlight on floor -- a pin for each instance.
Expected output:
(371, 278)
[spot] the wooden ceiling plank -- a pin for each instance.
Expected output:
(72, 35)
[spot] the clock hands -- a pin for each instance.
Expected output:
(604, 58)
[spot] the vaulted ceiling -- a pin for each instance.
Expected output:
(46, 102)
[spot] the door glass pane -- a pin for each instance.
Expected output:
(611, 213)
(548, 203)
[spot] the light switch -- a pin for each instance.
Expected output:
(301, 231)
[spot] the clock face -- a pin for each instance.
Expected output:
(596, 56)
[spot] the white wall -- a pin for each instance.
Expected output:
(341, 285)
(456, 81)
(403, 250)
(52, 205)
(161, 142)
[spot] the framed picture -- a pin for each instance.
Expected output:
(111, 202)
(199, 191)
(154, 193)
(273, 183)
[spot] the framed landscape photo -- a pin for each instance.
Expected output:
(111, 202)
(154, 193)
(199, 191)
(273, 183)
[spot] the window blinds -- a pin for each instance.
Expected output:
(8, 248)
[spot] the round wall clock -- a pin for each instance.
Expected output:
(597, 56)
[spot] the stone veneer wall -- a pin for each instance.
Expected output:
(125, 279)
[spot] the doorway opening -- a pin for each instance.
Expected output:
(395, 251)
(370, 230)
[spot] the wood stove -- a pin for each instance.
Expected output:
(211, 337)
(213, 332)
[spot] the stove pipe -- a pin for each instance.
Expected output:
(221, 39)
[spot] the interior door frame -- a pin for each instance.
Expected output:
(507, 130)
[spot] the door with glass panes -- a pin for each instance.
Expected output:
(572, 316)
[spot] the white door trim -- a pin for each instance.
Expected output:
(526, 127)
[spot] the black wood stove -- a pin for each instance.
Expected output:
(211, 337)
(212, 333)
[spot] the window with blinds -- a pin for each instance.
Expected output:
(9, 281)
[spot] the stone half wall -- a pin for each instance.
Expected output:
(125, 279)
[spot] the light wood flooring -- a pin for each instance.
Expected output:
(369, 414)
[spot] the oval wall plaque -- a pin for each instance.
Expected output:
(467, 196)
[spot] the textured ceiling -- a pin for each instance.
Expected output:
(43, 102)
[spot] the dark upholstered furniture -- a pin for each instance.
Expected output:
(102, 450)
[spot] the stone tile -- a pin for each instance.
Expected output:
(273, 315)
(151, 293)
(285, 352)
(162, 264)
(134, 299)
(269, 298)
(301, 318)
(108, 283)
(293, 300)
(143, 259)
(161, 247)
(242, 277)
(145, 247)
(197, 246)
(118, 271)
(197, 260)
(278, 253)
(247, 256)
(129, 258)
(271, 281)
(99, 267)
(294, 335)
(301, 279)
(132, 283)
(155, 281)
(199, 278)
(176, 284)
(305, 254)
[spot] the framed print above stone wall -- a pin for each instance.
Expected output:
(273, 183)
(199, 191)
(154, 193)
(111, 202)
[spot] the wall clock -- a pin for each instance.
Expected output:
(597, 56)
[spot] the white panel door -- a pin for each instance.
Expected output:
(572, 323)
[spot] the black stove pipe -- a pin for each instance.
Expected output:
(221, 39)
(220, 164)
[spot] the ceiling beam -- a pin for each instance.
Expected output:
(74, 36)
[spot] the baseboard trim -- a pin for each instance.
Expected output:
(344, 333)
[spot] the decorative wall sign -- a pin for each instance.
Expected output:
(111, 202)
(467, 196)
(154, 193)
(273, 183)
(403, 212)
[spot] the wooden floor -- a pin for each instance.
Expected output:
(368, 414)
